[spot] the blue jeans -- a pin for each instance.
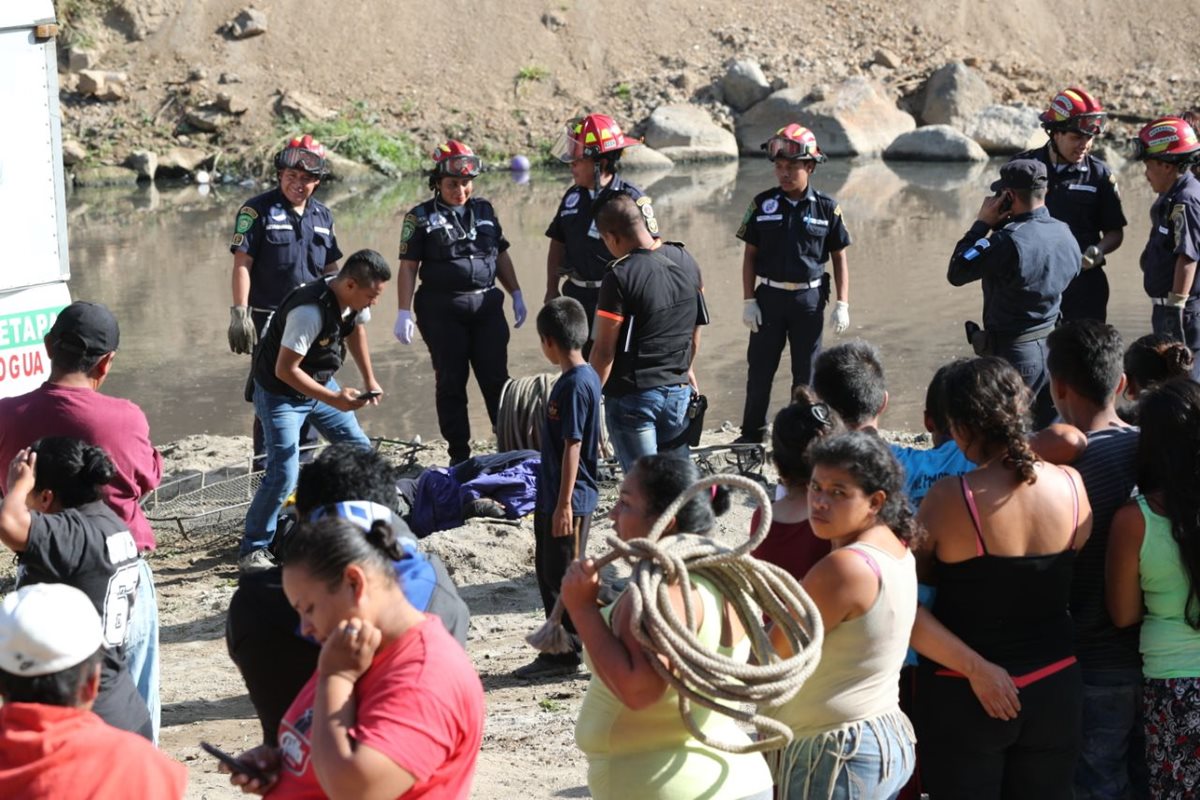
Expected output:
(282, 417)
(870, 760)
(1112, 759)
(641, 423)
(141, 647)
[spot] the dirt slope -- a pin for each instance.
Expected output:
(505, 74)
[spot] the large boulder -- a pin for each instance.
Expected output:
(1004, 130)
(744, 85)
(854, 118)
(688, 133)
(953, 95)
(106, 175)
(144, 163)
(348, 170)
(645, 158)
(180, 161)
(301, 106)
(934, 143)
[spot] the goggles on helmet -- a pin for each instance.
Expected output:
(1086, 124)
(567, 147)
(790, 149)
(301, 159)
(460, 166)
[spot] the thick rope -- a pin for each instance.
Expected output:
(753, 589)
(521, 410)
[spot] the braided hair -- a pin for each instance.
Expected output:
(987, 398)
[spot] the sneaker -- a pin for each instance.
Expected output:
(549, 665)
(256, 561)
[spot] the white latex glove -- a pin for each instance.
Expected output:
(519, 310)
(1092, 257)
(841, 316)
(404, 327)
(751, 315)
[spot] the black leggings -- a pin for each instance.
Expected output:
(967, 755)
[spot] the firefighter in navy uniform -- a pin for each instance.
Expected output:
(454, 243)
(1168, 146)
(1082, 192)
(1025, 259)
(592, 147)
(790, 232)
(281, 239)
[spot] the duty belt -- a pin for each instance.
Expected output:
(792, 287)
(1032, 335)
(584, 284)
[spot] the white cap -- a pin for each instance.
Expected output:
(46, 628)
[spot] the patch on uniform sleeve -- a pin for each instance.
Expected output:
(407, 231)
(1178, 223)
(1112, 178)
(647, 210)
(977, 249)
(245, 219)
(237, 240)
(837, 210)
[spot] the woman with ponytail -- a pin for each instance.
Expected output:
(395, 708)
(56, 521)
(1000, 550)
(1154, 578)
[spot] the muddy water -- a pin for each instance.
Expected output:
(160, 259)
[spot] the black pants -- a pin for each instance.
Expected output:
(463, 332)
(308, 434)
(1029, 359)
(551, 557)
(1086, 297)
(791, 318)
(967, 755)
(589, 299)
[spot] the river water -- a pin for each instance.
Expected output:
(160, 259)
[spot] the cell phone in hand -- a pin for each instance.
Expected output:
(1006, 203)
(369, 395)
(236, 764)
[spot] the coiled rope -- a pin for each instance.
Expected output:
(753, 589)
(522, 408)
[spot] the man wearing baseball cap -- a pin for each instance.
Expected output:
(81, 345)
(51, 744)
(1025, 259)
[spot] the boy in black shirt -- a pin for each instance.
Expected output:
(567, 489)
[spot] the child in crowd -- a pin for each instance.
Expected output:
(55, 518)
(567, 489)
(1000, 548)
(1084, 362)
(1153, 359)
(852, 739)
(923, 467)
(629, 727)
(849, 377)
(1154, 578)
(790, 542)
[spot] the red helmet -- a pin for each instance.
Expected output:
(1167, 139)
(590, 137)
(454, 159)
(1075, 110)
(795, 143)
(303, 153)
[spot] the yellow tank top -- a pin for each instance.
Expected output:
(649, 754)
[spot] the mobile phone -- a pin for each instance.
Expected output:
(1006, 203)
(235, 764)
(368, 395)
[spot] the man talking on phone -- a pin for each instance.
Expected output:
(1025, 259)
(302, 347)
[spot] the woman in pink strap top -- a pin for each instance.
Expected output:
(999, 692)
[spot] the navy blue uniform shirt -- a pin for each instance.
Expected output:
(1082, 195)
(457, 251)
(572, 415)
(1174, 232)
(574, 227)
(288, 249)
(794, 239)
(1024, 266)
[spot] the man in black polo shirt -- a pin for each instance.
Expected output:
(646, 334)
(301, 349)
(1082, 192)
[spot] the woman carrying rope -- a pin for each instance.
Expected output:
(852, 739)
(630, 727)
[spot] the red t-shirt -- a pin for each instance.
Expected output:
(115, 425)
(420, 704)
(791, 545)
(52, 751)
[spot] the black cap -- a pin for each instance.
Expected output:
(1024, 173)
(86, 328)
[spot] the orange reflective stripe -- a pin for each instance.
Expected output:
(609, 315)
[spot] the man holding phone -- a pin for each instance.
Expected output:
(1025, 259)
(302, 347)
